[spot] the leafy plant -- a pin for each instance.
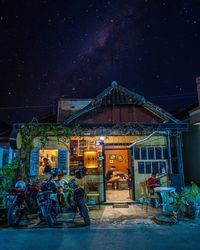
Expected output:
(8, 176)
(192, 194)
(179, 200)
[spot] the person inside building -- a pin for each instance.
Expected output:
(41, 168)
(47, 166)
(110, 178)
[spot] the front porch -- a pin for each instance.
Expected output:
(107, 215)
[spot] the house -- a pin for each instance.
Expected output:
(118, 128)
(7, 154)
(191, 140)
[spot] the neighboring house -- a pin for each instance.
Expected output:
(191, 140)
(67, 107)
(122, 129)
(6, 153)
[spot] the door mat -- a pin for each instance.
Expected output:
(122, 205)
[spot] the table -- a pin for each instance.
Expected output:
(164, 192)
(122, 184)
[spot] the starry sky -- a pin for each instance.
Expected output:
(51, 49)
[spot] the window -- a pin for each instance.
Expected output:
(148, 167)
(141, 167)
(158, 153)
(165, 153)
(155, 167)
(162, 167)
(151, 153)
(5, 156)
(137, 153)
(143, 153)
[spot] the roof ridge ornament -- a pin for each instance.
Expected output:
(114, 84)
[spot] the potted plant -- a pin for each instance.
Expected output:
(179, 201)
(192, 195)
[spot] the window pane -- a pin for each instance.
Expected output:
(165, 153)
(162, 167)
(155, 166)
(158, 153)
(151, 154)
(141, 167)
(148, 167)
(137, 153)
(5, 157)
(143, 153)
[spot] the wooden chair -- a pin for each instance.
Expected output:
(146, 198)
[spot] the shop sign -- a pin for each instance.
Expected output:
(63, 160)
(34, 163)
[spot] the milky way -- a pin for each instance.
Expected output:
(51, 49)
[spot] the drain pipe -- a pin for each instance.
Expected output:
(169, 151)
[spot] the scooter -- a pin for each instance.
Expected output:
(75, 198)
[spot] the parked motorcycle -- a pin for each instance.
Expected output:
(48, 189)
(51, 202)
(21, 199)
(76, 199)
(31, 193)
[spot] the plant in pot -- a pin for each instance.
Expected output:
(179, 201)
(192, 195)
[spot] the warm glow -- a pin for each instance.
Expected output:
(52, 155)
(90, 159)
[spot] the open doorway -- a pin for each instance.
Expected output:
(118, 174)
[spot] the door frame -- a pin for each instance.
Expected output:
(130, 165)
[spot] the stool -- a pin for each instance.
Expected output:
(94, 195)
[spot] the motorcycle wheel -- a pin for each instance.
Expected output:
(51, 215)
(85, 213)
(14, 215)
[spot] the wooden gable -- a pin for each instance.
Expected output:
(117, 104)
(118, 114)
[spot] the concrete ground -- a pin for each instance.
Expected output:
(106, 216)
(111, 228)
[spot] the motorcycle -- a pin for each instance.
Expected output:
(16, 203)
(20, 200)
(76, 200)
(53, 205)
(31, 193)
(48, 189)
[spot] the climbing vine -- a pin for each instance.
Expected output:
(34, 129)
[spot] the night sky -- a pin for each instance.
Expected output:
(60, 48)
